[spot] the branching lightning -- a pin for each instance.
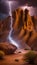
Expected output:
(9, 37)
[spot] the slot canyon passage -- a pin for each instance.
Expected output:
(18, 30)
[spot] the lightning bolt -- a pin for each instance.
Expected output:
(9, 37)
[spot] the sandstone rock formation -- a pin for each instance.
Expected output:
(18, 32)
(21, 34)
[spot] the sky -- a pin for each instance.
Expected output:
(4, 6)
(22, 2)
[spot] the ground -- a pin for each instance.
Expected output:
(10, 59)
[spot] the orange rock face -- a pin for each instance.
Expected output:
(25, 33)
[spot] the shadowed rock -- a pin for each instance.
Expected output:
(7, 47)
(4, 28)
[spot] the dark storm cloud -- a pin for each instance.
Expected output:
(3, 7)
(22, 2)
(30, 2)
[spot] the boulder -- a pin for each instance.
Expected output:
(8, 48)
